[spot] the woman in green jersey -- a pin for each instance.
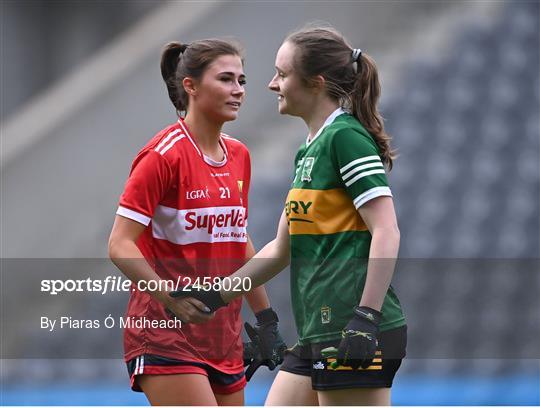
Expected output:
(338, 230)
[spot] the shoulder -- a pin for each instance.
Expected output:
(164, 146)
(348, 133)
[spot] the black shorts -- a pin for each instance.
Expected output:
(303, 360)
(221, 383)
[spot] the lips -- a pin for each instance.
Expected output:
(235, 104)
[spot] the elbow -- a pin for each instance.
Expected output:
(389, 233)
(396, 233)
(113, 248)
(284, 255)
(279, 251)
(393, 234)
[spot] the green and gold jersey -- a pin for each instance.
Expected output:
(336, 173)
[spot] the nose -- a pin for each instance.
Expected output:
(238, 89)
(273, 86)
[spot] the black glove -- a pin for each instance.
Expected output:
(210, 297)
(266, 346)
(359, 338)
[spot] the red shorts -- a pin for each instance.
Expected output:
(220, 382)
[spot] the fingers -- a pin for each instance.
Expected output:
(255, 364)
(271, 364)
(342, 352)
(366, 363)
(189, 310)
(199, 305)
(361, 357)
(251, 332)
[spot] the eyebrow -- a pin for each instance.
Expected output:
(230, 73)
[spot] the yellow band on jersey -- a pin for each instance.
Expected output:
(317, 212)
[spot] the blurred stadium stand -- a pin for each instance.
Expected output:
(461, 97)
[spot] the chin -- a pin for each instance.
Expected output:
(233, 115)
(225, 116)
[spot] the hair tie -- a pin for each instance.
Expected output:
(356, 53)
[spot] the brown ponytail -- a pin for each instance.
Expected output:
(169, 65)
(364, 99)
(179, 61)
(324, 51)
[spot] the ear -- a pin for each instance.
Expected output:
(318, 83)
(189, 86)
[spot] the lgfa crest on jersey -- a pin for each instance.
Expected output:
(326, 315)
(307, 168)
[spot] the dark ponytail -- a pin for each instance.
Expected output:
(179, 61)
(170, 58)
(324, 51)
(364, 100)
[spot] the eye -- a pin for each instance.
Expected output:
(242, 81)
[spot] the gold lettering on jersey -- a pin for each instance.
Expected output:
(240, 185)
(321, 212)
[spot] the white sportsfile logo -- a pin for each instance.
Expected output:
(211, 224)
(318, 365)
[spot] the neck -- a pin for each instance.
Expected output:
(317, 116)
(206, 134)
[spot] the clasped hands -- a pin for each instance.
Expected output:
(195, 304)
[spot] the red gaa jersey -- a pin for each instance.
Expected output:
(195, 213)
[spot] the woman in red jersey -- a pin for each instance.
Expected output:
(181, 221)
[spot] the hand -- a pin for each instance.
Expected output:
(188, 310)
(359, 338)
(210, 298)
(266, 346)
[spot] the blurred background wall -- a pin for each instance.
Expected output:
(81, 92)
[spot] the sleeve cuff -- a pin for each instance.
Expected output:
(370, 195)
(133, 215)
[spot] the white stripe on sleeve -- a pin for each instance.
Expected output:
(370, 195)
(166, 139)
(171, 144)
(360, 168)
(364, 174)
(358, 161)
(133, 215)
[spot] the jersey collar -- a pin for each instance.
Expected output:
(207, 159)
(327, 122)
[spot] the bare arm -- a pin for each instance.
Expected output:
(125, 254)
(380, 218)
(257, 298)
(266, 264)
